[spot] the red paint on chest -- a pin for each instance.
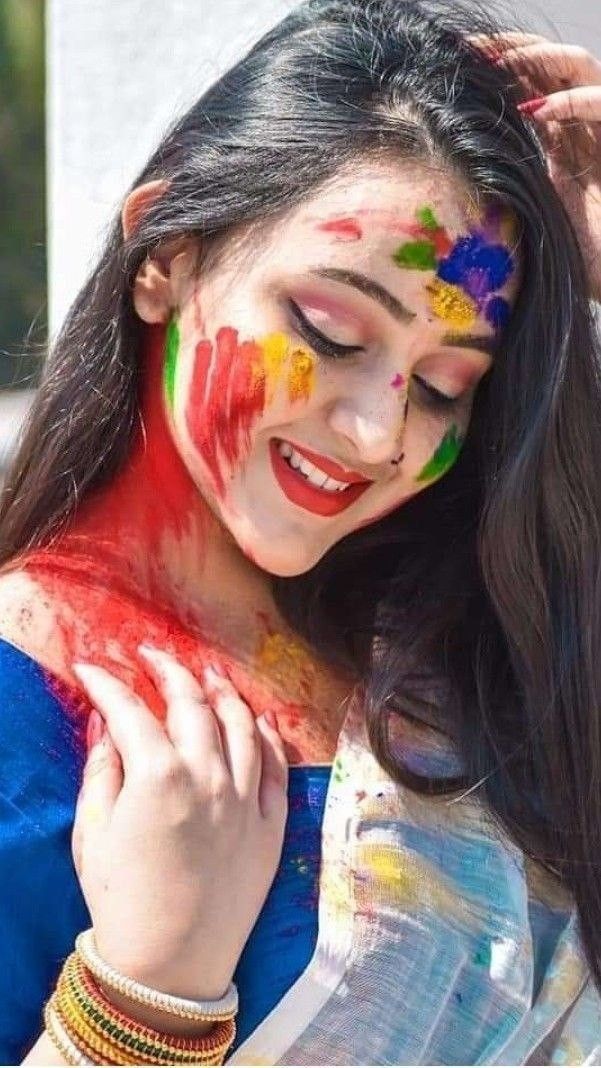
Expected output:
(101, 622)
(227, 395)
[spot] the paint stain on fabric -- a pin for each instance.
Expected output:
(444, 457)
(339, 772)
(482, 957)
(346, 229)
(391, 877)
(172, 339)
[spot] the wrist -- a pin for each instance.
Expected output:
(150, 1016)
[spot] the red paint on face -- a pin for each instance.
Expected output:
(101, 609)
(440, 238)
(344, 229)
(227, 395)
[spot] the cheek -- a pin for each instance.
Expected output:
(444, 456)
(232, 384)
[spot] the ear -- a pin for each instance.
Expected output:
(158, 284)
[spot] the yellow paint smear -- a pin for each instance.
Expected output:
(451, 303)
(301, 375)
(286, 660)
(275, 349)
(396, 878)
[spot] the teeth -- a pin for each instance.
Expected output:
(313, 474)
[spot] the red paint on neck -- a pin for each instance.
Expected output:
(226, 397)
(86, 582)
(152, 494)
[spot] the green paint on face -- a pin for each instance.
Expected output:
(416, 255)
(428, 219)
(444, 457)
(171, 351)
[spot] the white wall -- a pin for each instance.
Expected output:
(119, 71)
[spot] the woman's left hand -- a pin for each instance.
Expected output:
(567, 79)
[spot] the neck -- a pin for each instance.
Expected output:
(153, 529)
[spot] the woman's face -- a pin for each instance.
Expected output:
(324, 378)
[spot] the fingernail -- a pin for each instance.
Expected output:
(213, 672)
(530, 107)
(269, 717)
(95, 729)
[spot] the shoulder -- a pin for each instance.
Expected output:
(41, 728)
(28, 621)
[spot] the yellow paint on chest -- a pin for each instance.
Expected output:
(286, 660)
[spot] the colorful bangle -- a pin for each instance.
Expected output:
(67, 1049)
(80, 995)
(83, 1024)
(220, 1009)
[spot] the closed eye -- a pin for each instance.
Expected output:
(318, 341)
(441, 399)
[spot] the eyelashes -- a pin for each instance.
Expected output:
(438, 399)
(324, 346)
(318, 341)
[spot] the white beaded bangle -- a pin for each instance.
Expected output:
(221, 1009)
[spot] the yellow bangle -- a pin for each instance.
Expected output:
(99, 1031)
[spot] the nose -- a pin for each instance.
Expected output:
(372, 420)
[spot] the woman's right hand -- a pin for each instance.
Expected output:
(179, 826)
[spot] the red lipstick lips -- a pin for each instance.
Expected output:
(312, 498)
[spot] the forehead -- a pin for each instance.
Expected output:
(383, 198)
(418, 230)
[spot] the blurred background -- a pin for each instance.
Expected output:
(86, 91)
(23, 299)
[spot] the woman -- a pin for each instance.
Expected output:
(322, 421)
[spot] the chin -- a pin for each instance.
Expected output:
(286, 562)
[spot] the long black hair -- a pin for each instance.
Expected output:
(477, 604)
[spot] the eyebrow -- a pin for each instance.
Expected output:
(472, 341)
(397, 309)
(370, 288)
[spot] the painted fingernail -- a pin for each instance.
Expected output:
(530, 107)
(215, 669)
(213, 675)
(95, 729)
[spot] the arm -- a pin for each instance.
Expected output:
(166, 905)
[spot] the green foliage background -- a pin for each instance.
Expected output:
(23, 321)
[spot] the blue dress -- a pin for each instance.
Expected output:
(42, 753)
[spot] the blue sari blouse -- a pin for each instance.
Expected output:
(42, 909)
